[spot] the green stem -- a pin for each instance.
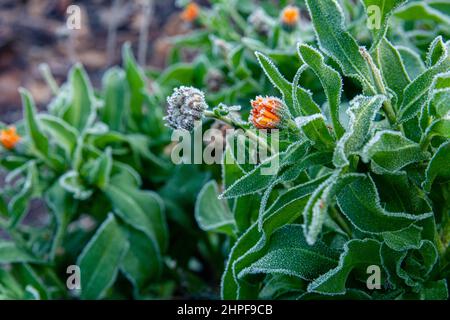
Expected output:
(251, 135)
(381, 89)
(340, 221)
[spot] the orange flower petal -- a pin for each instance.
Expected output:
(266, 112)
(290, 15)
(191, 12)
(9, 138)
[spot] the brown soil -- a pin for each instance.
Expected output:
(34, 32)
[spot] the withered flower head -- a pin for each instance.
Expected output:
(290, 16)
(190, 12)
(185, 107)
(9, 138)
(267, 112)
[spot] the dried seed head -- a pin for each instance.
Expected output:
(267, 112)
(185, 107)
(290, 16)
(191, 12)
(9, 138)
(260, 21)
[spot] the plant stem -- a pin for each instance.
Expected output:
(381, 89)
(340, 221)
(251, 135)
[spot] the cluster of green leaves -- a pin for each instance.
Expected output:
(225, 65)
(97, 162)
(365, 185)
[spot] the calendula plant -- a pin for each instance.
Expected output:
(359, 207)
(223, 61)
(220, 60)
(98, 162)
(350, 99)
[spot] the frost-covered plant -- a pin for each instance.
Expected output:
(360, 205)
(220, 60)
(97, 161)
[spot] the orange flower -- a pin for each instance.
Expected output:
(9, 137)
(267, 112)
(190, 13)
(290, 16)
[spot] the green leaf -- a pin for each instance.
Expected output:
(385, 10)
(391, 261)
(302, 99)
(63, 133)
(38, 140)
(389, 151)
(439, 106)
(10, 288)
(439, 96)
(416, 267)
(28, 275)
(438, 167)
(357, 254)
(392, 68)
(10, 252)
(399, 194)
(63, 206)
(421, 11)
(211, 213)
(283, 211)
(335, 41)
(100, 260)
(143, 210)
(72, 183)
(436, 290)
(100, 171)
(253, 181)
(136, 81)
(115, 95)
(277, 80)
(288, 253)
(439, 127)
(440, 5)
(442, 81)
(142, 262)
(406, 239)
(19, 203)
(80, 111)
(413, 63)
(362, 113)
(293, 194)
(417, 92)
(360, 203)
(436, 51)
(330, 79)
(177, 74)
(314, 214)
(297, 99)
(316, 130)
